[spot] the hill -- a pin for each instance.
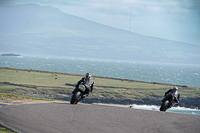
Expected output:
(46, 31)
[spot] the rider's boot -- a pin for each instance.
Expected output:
(84, 96)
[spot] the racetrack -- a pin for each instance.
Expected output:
(85, 118)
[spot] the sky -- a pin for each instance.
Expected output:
(177, 20)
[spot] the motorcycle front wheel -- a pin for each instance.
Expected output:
(75, 97)
(164, 105)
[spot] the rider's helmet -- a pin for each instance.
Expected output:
(88, 75)
(175, 88)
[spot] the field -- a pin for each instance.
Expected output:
(30, 82)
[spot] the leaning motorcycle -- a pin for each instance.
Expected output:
(78, 95)
(167, 102)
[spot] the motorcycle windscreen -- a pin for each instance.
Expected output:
(81, 87)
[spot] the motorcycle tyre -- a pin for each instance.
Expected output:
(75, 97)
(164, 106)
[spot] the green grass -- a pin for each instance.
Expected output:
(36, 78)
(5, 130)
(6, 96)
(18, 81)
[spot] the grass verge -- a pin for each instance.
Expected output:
(7, 96)
(5, 130)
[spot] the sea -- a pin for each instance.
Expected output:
(178, 74)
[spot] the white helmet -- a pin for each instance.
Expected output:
(175, 88)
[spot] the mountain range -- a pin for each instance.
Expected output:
(45, 31)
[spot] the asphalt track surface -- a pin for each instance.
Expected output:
(85, 118)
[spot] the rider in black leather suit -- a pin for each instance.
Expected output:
(88, 82)
(175, 92)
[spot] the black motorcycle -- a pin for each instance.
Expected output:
(167, 102)
(78, 95)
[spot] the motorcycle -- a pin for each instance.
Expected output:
(167, 102)
(78, 95)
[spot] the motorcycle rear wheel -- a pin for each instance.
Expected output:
(75, 97)
(164, 106)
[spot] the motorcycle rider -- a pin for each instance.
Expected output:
(88, 83)
(175, 93)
